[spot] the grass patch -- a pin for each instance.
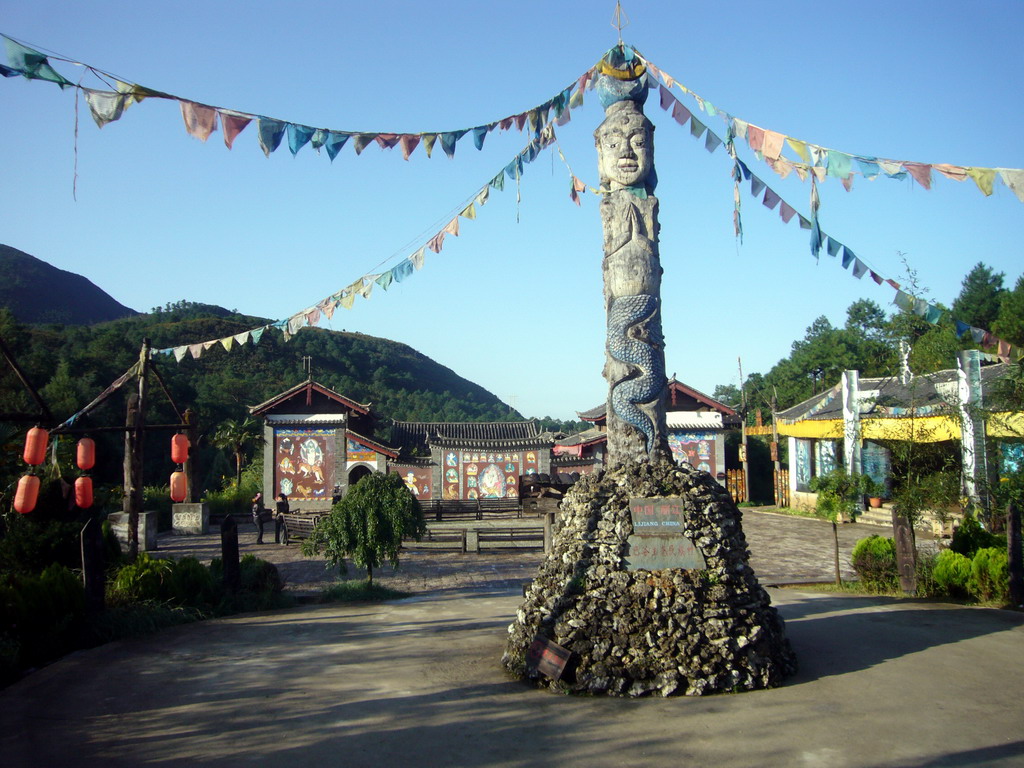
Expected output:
(360, 592)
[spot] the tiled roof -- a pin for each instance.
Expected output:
(309, 388)
(379, 447)
(409, 435)
(887, 396)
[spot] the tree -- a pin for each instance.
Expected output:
(838, 498)
(1009, 325)
(368, 524)
(980, 295)
(236, 436)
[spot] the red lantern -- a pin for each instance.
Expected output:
(83, 492)
(179, 448)
(85, 456)
(27, 494)
(35, 445)
(179, 486)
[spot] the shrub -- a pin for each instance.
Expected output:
(925, 573)
(952, 573)
(874, 560)
(990, 575)
(189, 583)
(260, 576)
(969, 537)
(144, 579)
(29, 544)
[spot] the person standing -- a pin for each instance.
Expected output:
(282, 510)
(257, 516)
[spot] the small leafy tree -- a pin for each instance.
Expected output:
(236, 436)
(839, 497)
(368, 524)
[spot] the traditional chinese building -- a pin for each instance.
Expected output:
(696, 425)
(469, 460)
(317, 442)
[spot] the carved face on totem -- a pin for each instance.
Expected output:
(625, 145)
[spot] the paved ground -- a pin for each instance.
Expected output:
(883, 682)
(784, 550)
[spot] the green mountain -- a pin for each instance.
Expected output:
(37, 292)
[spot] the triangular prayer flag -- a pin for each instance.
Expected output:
(954, 172)
(839, 164)
(257, 334)
(848, 257)
(756, 185)
(469, 212)
(904, 301)
(868, 167)
(335, 141)
(242, 338)
(402, 270)
(208, 344)
(318, 139)
(479, 134)
(448, 141)
(680, 113)
(313, 316)
(452, 227)
(859, 268)
(1014, 179)
(484, 196)
(328, 307)
(297, 323)
(832, 246)
(984, 177)
(270, 133)
(227, 342)
(179, 352)
(367, 286)
(739, 128)
(933, 314)
(498, 182)
(232, 124)
(362, 141)
(408, 142)
(387, 140)
(347, 300)
(978, 335)
(875, 276)
(384, 279)
(892, 168)
(786, 212)
(755, 137)
(436, 242)
(696, 127)
(196, 350)
(32, 64)
(771, 198)
(428, 142)
(922, 173)
(298, 137)
(666, 97)
(417, 259)
(105, 106)
(961, 328)
(805, 223)
(893, 283)
(200, 120)
(712, 142)
(771, 146)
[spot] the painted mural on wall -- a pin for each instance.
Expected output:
(825, 457)
(417, 480)
(472, 475)
(694, 448)
(356, 452)
(304, 463)
(803, 465)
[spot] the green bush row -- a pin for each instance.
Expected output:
(984, 576)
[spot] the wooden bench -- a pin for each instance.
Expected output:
(298, 525)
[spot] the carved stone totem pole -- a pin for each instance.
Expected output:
(635, 353)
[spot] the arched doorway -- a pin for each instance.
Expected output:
(358, 473)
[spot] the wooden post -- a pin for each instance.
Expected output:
(135, 425)
(93, 575)
(192, 432)
(776, 463)
(634, 354)
(743, 435)
(232, 575)
(1015, 555)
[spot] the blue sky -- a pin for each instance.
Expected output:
(514, 303)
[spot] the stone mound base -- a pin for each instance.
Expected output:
(635, 632)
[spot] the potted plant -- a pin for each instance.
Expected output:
(874, 490)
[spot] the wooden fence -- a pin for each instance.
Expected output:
(782, 488)
(735, 486)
